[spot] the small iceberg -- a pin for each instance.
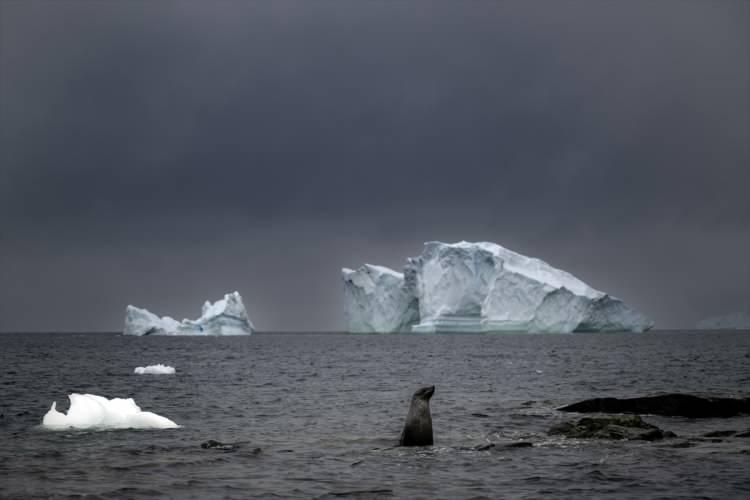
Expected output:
(154, 370)
(88, 411)
(226, 316)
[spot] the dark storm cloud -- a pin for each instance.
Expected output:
(166, 152)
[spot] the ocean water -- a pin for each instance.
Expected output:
(318, 415)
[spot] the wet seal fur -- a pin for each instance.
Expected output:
(418, 427)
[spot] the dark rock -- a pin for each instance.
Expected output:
(745, 434)
(718, 434)
(216, 445)
(479, 415)
(630, 428)
(497, 446)
(362, 493)
(484, 447)
(670, 405)
(519, 444)
(706, 440)
(682, 444)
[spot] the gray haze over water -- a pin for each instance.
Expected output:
(164, 153)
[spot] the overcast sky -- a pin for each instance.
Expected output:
(163, 153)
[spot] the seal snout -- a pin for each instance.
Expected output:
(425, 392)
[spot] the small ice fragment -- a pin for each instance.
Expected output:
(154, 370)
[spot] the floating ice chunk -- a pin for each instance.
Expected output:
(226, 316)
(154, 370)
(88, 411)
(377, 299)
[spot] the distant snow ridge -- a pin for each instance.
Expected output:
(224, 317)
(480, 287)
(154, 370)
(88, 411)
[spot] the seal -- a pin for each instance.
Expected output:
(418, 428)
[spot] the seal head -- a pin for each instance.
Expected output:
(418, 427)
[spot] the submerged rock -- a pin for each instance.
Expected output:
(519, 444)
(718, 434)
(217, 445)
(670, 405)
(682, 444)
(630, 428)
(484, 447)
(511, 444)
(374, 493)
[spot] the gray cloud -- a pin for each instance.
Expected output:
(166, 152)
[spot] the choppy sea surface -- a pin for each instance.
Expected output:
(318, 415)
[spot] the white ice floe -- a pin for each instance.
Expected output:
(155, 370)
(226, 316)
(88, 411)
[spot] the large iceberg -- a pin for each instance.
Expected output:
(732, 321)
(483, 287)
(88, 411)
(377, 300)
(224, 317)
